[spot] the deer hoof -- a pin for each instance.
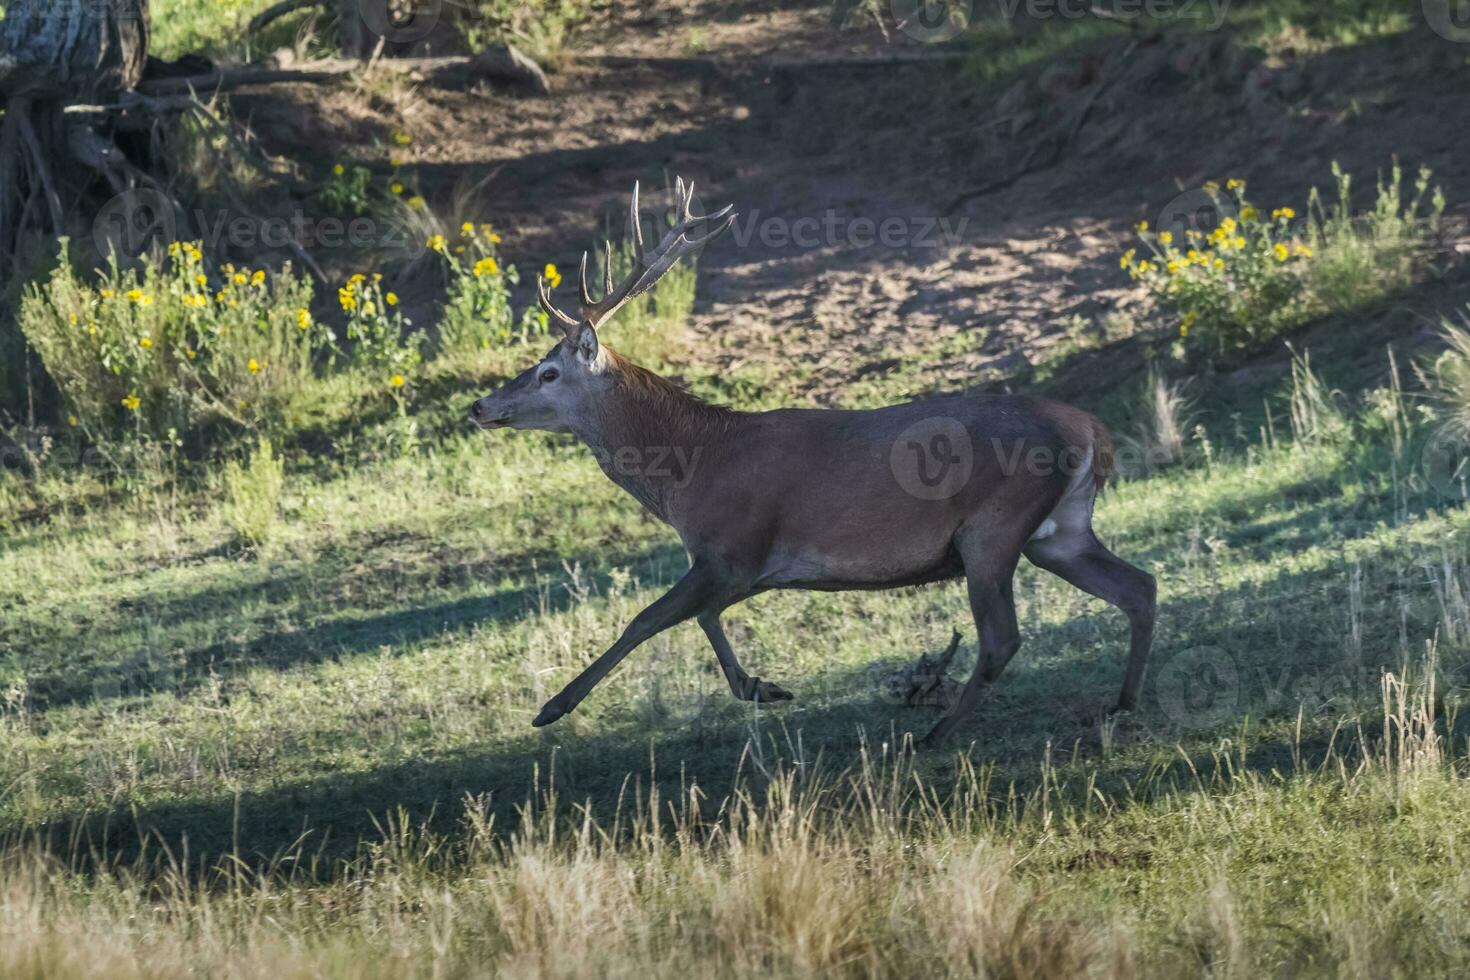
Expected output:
(764, 692)
(549, 712)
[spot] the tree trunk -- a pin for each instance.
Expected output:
(77, 52)
(52, 52)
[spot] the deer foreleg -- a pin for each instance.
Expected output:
(692, 594)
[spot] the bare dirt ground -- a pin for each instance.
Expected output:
(847, 154)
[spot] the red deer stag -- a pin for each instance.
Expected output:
(826, 499)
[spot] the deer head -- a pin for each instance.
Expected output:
(565, 386)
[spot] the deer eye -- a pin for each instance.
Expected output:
(549, 375)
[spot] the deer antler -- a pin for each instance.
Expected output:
(647, 268)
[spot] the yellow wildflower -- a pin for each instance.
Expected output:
(347, 299)
(1212, 187)
(191, 354)
(1142, 226)
(396, 187)
(395, 159)
(486, 267)
(135, 295)
(258, 278)
(71, 420)
(253, 366)
(1219, 265)
(398, 381)
(467, 229)
(369, 309)
(553, 277)
(202, 279)
(339, 170)
(436, 243)
(459, 250)
(1286, 213)
(1282, 252)
(1235, 184)
(357, 277)
(1249, 213)
(1304, 250)
(132, 402)
(303, 318)
(402, 139)
(391, 299)
(105, 293)
(1166, 237)
(146, 343)
(174, 249)
(417, 203)
(240, 279)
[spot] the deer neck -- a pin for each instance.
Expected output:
(650, 436)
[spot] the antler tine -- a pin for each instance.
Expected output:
(637, 226)
(587, 299)
(607, 279)
(686, 201)
(544, 299)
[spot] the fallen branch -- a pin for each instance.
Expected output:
(499, 62)
(278, 11)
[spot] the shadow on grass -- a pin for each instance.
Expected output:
(1227, 661)
(332, 638)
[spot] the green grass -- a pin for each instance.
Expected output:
(1003, 47)
(322, 706)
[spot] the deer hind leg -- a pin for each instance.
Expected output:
(742, 685)
(1080, 558)
(988, 572)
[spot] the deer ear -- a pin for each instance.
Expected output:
(583, 342)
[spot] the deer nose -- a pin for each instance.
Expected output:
(477, 410)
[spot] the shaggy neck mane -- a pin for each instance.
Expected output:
(649, 409)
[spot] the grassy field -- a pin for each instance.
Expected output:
(314, 756)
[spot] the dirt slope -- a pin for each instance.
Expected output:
(821, 137)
